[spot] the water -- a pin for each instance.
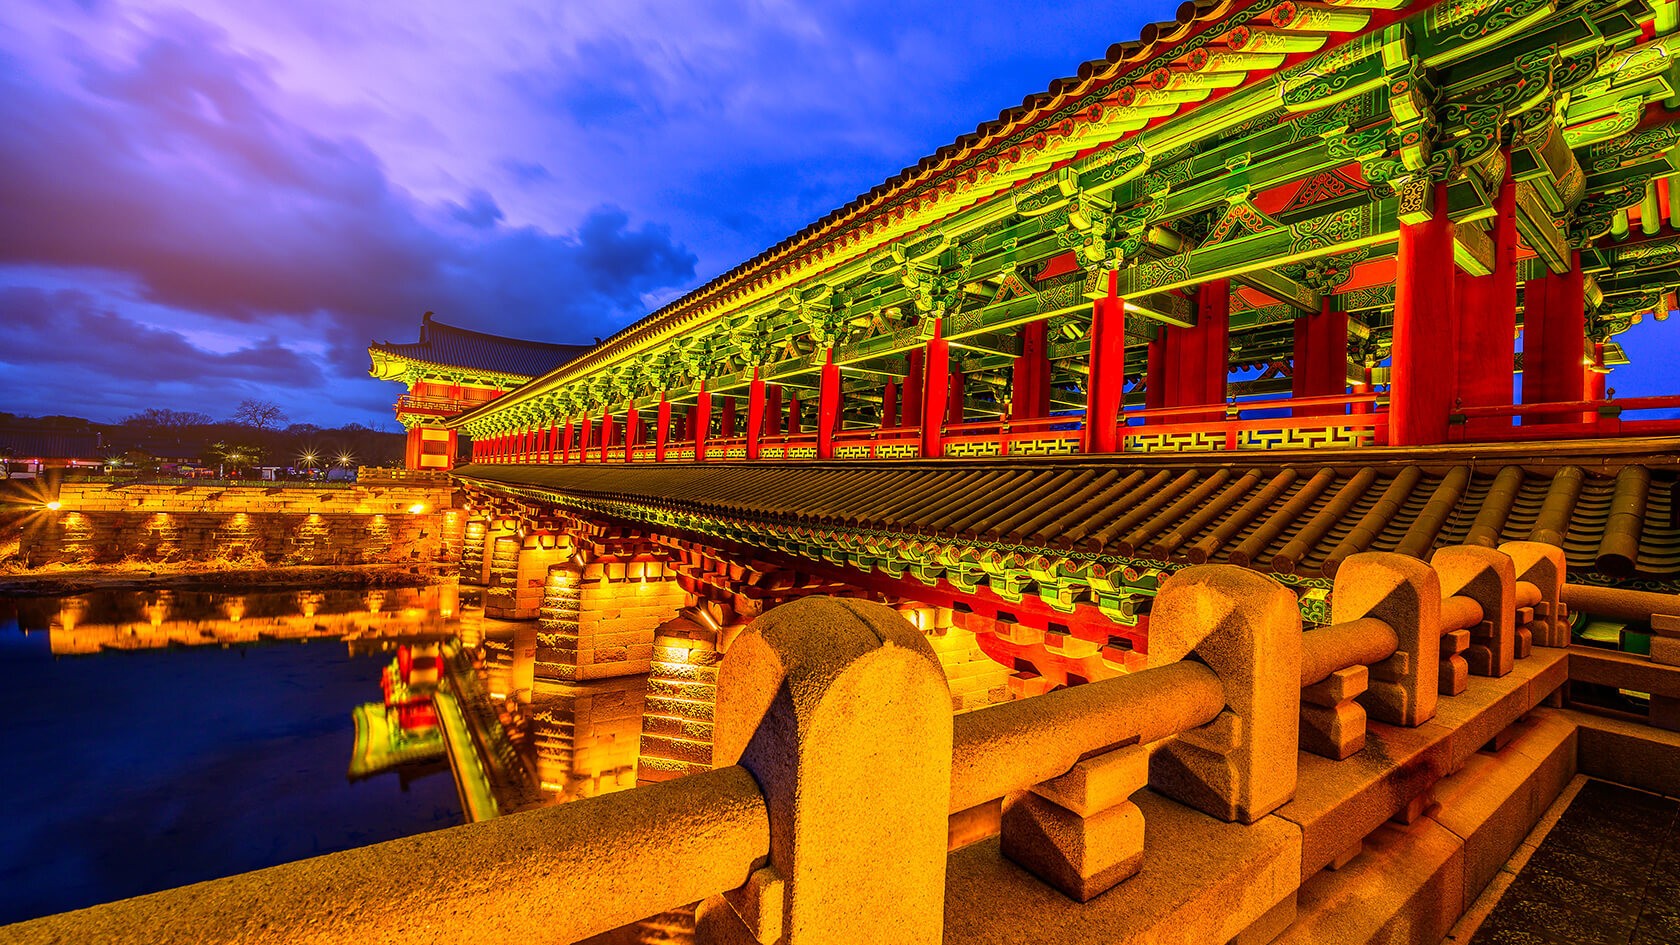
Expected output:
(153, 739)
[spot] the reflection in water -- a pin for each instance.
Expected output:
(156, 741)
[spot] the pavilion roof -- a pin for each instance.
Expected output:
(1290, 513)
(447, 346)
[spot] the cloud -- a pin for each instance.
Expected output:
(174, 168)
(317, 175)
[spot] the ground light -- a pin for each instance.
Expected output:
(52, 506)
(417, 508)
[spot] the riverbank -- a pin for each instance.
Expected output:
(55, 580)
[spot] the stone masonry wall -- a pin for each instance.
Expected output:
(607, 629)
(97, 523)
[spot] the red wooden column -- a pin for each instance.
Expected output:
(1105, 389)
(566, 442)
(1155, 379)
(936, 386)
(1421, 376)
(956, 396)
(583, 439)
(726, 418)
(1487, 329)
(828, 407)
(632, 432)
(661, 427)
(911, 392)
(1213, 347)
(1031, 395)
(553, 443)
(1594, 388)
(889, 405)
(793, 418)
(756, 403)
(606, 437)
(1320, 359)
(700, 419)
(772, 409)
(1554, 339)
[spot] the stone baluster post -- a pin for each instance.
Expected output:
(1404, 593)
(841, 712)
(1246, 628)
(1543, 566)
(1487, 577)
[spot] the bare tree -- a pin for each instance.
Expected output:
(259, 414)
(163, 417)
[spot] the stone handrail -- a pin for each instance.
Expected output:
(1015, 745)
(571, 871)
(784, 840)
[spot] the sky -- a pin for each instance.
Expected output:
(223, 200)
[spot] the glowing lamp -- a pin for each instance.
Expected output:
(52, 506)
(417, 508)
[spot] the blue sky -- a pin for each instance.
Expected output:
(222, 200)
(212, 201)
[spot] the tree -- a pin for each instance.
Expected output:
(163, 417)
(235, 456)
(259, 414)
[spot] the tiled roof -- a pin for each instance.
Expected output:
(1611, 508)
(449, 346)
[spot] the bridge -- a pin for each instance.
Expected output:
(1135, 522)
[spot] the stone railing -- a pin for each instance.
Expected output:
(843, 781)
(1656, 673)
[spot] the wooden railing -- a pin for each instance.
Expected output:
(1572, 419)
(1229, 429)
(868, 443)
(1034, 436)
(447, 406)
(783, 446)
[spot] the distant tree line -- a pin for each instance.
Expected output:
(257, 434)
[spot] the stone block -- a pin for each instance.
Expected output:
(1407, 888)
(1665, 649)
(1099, 783)
(1488, 805)
(1454, 673)
(1202, 881)
(1336, 731)
(1340, 686)
(1079, 855)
